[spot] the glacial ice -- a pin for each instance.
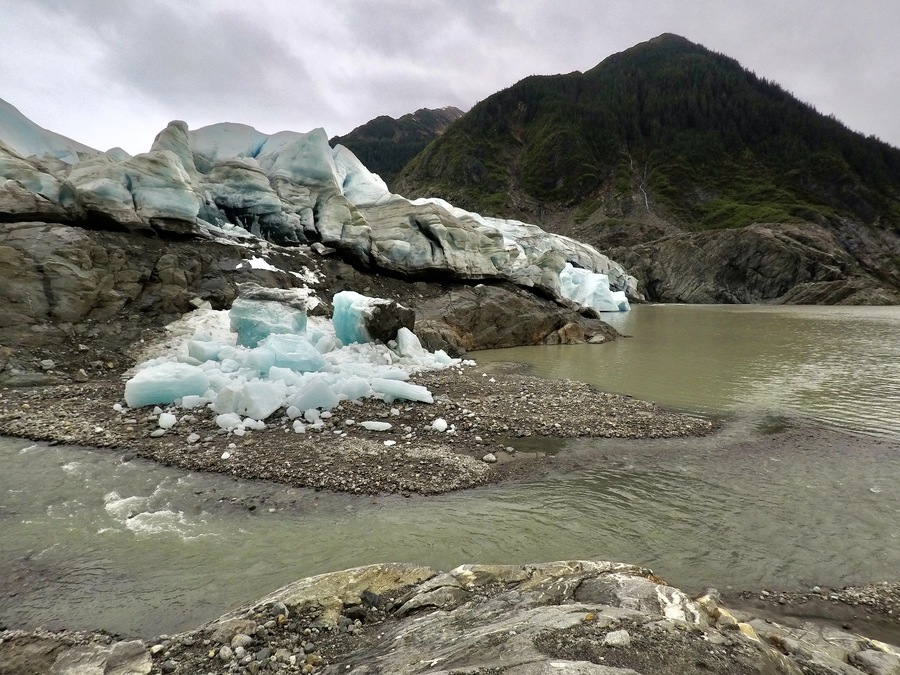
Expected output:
(591, 289)
(255, 320)
(372, 425)
(244, 385)
(396, 389)
(291, 351)
(293, 188)
(27, 138)
(350, 312)
(163, 383)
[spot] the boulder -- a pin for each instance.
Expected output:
(495, 316)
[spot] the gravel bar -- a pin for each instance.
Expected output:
(486, 408)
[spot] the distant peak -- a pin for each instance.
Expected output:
(669, 38)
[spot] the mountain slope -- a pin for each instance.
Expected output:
(666, 139)
(385, 144)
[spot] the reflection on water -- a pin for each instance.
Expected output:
(838, 365)
(88, 541)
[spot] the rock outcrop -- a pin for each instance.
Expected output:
(576, 617)
(497, 316)
(798, 264)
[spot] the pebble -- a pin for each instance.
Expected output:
(489, 458)
(241, 640)
(156, 433)
(226, 653)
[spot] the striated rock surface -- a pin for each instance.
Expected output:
(795, 264)
(575, 617)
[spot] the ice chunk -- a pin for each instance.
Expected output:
(621, 300)
(260, 398)
(353, 387)
(444, 359)
(350, 317)
(408, 345)
(326, 344)
(228, 420)
(286, 375)
(314, 394)
(299, 427)
(440, 424)
(167, 421)
(204, 350)
(254, 320)
(163, 383)
(375, 426)
(397, 389)
(591, 289)
(355, 315)
(294, 352)
(192, 401)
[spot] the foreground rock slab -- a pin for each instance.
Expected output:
(567, 617)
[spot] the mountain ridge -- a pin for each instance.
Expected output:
(673, 139)
(385, 144)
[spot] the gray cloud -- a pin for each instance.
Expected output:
(111, 72)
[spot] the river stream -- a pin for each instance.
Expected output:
(798, 489)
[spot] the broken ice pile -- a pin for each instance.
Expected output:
(263, 355)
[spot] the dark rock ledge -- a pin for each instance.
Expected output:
(570, 617)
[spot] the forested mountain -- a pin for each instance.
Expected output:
(386, 144)
(669, 139)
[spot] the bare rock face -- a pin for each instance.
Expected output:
(497, 316)
(61, 286)
(576, 617)
(486, 317)
(759, 263)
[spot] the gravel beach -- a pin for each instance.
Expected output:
(485, 408)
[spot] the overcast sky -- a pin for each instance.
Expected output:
(114, 72)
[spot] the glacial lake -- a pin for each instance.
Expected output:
(799, 488)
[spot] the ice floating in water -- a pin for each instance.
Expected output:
(284, 368)
(591, 289)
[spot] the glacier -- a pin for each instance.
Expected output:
(292, 189)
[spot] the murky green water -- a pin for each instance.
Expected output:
(837, 365)
(89, 541)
